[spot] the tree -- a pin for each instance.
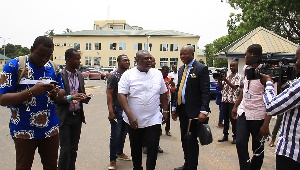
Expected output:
(215, 47)
(68, 30)
(282, 17)
(50, 33)
(13, 51)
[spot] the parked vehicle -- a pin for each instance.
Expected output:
(213, 85)
(94, 75)
(85, 74)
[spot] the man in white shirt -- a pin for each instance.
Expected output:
(174, 75)
(141, 90)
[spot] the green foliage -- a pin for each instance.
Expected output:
(68, 30)
(215, 47)
(13, 51)
(280, 16)
(50, 33)
(221, 62)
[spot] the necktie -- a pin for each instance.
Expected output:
(181, 85)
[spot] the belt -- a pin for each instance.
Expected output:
(74, 113)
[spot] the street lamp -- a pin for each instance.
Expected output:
(4, 39)
(148, 36)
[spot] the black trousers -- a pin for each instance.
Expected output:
(226, 109)
(189, 142)
(243, 130)
(69, 135)
(152, 135)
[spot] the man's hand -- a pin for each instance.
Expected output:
(77, 96)
(165, 117)
(264, 78)
(133, 123)
(201, 118)
(85, 98)
(111, 117)
(41, 88)
(264, 131)
(234, 113)
(174, 115)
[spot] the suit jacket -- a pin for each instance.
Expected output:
(197, 92)
(62, 107)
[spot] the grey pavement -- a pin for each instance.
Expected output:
(93, 151)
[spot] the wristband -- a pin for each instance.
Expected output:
(69, 97)
(165, 111)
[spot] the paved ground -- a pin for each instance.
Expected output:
(94, 144)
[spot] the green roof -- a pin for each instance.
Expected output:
(2, 57)
(134, 33)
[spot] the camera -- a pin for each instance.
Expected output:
(279, 70)
(219, 73)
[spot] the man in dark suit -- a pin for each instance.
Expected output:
(70, 110)
(192, 104)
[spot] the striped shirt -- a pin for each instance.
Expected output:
(287, 102)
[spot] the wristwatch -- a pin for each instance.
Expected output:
(204, 112)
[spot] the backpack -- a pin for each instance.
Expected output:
(22, 65)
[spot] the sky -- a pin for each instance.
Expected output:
(22, 21)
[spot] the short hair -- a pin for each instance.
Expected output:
(164, 68)
(44, 40)
(140, 53)
(120, 57)
(256, 49)
(69, 53)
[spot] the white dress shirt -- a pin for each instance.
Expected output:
(143, 91)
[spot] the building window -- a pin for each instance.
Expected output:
(122, 46)
(77, 46)
(193, 46)
(88, 46)
(138, 46)
(112, 61)
(97, 61)
(87, 61)
(163, 62)
(97, 46)
(173, 47)
(164, 47)
(173, 61)
(148, 47)
(113, 46)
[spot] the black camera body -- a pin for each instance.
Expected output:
(219, 73)
(279, 70)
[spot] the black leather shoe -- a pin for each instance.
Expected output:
(160, 150)
(168, 133)
(233, 141)
(224, 138)
(144, 150)
(181, 168)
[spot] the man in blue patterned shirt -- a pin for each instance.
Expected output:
(288, 104)
(33, 120)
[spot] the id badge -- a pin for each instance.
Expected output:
(247, 95)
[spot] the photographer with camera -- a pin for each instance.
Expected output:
(252, 118)
(288, 104)
(229, 85)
